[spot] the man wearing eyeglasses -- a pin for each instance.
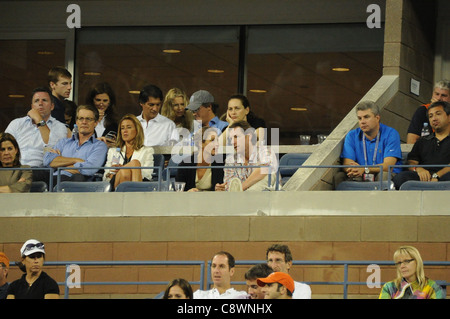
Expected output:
(81, 151)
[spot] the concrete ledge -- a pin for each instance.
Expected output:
(215, 204)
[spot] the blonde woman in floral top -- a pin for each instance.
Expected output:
(411, 282)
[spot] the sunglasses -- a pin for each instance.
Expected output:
(31, 247)
(36, 255)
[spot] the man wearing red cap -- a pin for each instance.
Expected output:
(278, 285)
(4, 267)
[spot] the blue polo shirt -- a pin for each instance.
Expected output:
(388, 146)
(93, 152)
(217, 123)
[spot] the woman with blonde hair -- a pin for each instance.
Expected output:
(174, 108)
(131, 152)
(411, 282)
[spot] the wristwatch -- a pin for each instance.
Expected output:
(435, 175)
(41, 123)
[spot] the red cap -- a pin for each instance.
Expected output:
(279, 277)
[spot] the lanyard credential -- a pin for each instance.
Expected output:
(366, 169)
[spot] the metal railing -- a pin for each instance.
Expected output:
(68, 265)
(346, 264)
(206, 283)
(164, 181)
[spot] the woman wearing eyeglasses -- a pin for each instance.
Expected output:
(411, 282)
(35, 283)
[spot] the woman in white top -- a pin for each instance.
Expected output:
(132, 153)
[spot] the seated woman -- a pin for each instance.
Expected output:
(238, 110)
(131, 152)
(12, 181)
(174, 108)
(202, 179)
(411, 282)
(102, 96)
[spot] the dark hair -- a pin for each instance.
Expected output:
(56, 72)
(104, 88)
(89, 108)
(284, 249)
(242, 98)
(183, 284)
(258, 271)
(445, 106)
(4, 137)
(41, 89)
(150, 91)
(245, 126)
(231, 261)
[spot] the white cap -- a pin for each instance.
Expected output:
(32, 246)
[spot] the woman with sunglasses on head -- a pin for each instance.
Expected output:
(12, 181)
(411, 282)
(35, 283)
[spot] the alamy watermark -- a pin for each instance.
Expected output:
(374, 19)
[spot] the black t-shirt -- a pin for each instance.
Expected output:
(42, 286)
(419, 117)
(429, 150)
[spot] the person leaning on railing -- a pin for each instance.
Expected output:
(12, 181)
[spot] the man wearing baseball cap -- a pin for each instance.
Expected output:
(4, 267)
(278, 285)
(204, 109)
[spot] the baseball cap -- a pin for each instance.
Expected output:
(32, 246)
(279, 277)
(199, 98)
(4, 259)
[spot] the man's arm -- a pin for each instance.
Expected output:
(44, 130)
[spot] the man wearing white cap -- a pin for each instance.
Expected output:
(204, 109)
(35, 283)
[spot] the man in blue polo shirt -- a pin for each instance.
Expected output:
(372, 143)
(81, 151)
(204, 109)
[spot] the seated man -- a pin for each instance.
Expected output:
(222, 269)
(37, 131)
(372, 143)
(204, 109)
(81, 151)
(441, 92)
(430, 150)
(247, 152)
(158, 129)
(278, 285)
(279, 258)
(251, 276)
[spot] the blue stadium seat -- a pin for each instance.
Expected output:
(173, 169)
(291, 159)
(424, 186)
(363, 186)
(38, 187)
(138, 187)
(78, 187)
(158, 161)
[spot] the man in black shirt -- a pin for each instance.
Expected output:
(441, 92)
(430, 150)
